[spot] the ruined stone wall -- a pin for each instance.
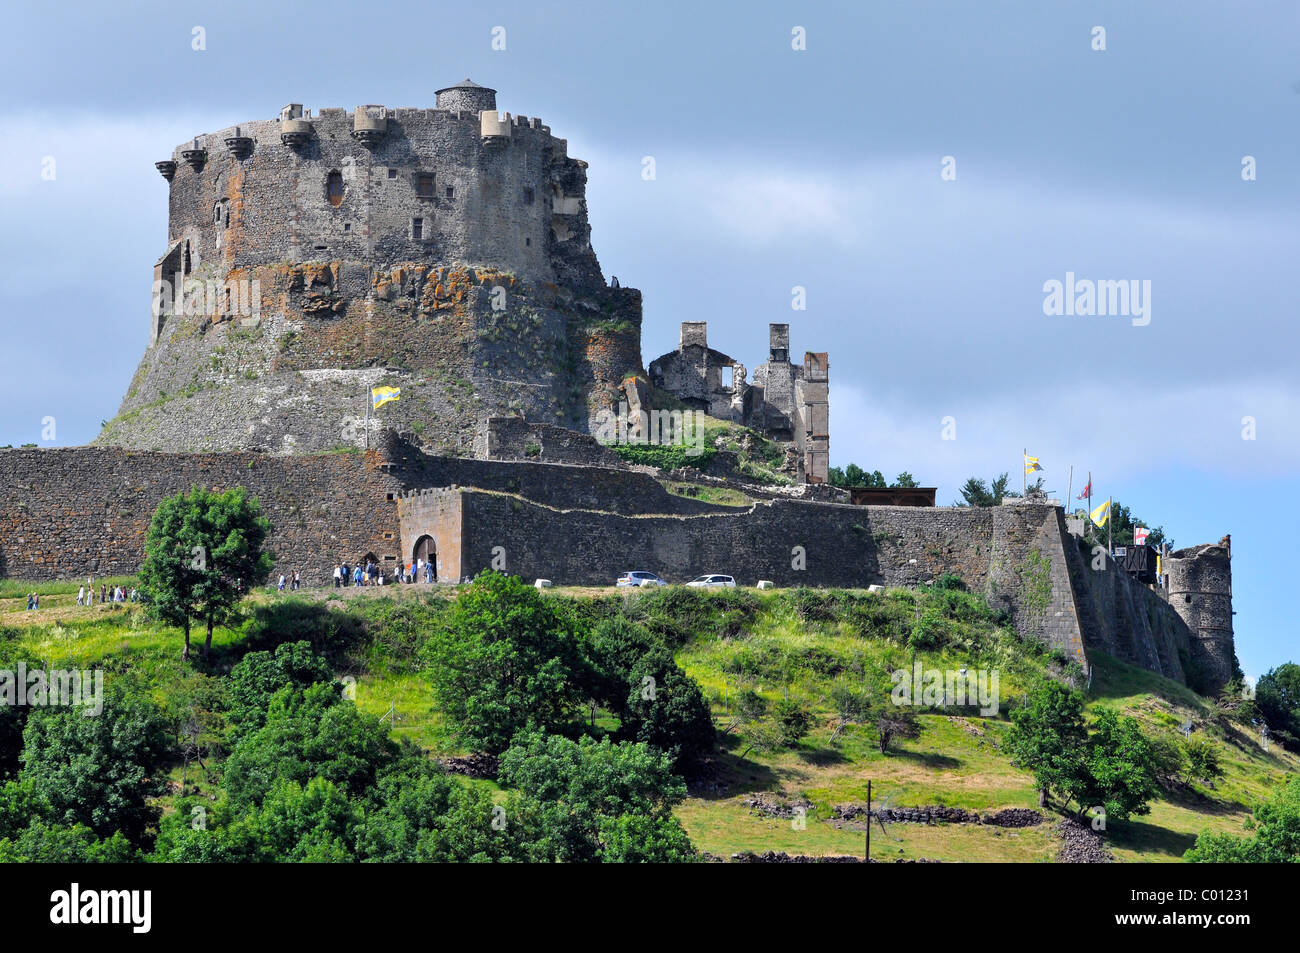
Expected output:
(69, 513)
(515, 438)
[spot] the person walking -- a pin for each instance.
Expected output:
(81, 596)
(103, 593)
(297, 580)
(281, 584)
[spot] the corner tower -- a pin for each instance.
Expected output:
(1200, 591)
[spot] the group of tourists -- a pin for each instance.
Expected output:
(368, 575)
(346, 576)
(294, 581)
(86, 594)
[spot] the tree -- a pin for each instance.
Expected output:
(308, 733)
(203, 552)
(1117, 769)
(417, 813)
(259, 675)
(792, 721)
(1277, 700)
(1108, 764)
(506, 658)
(664, 707)
(975, 492)
(101, 772)
(572, 791)
(1047, 736)
(906, 480)
(894, 721)
(638, 839)
(1276, 840)
(854, 475)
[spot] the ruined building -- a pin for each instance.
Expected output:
(786, 402)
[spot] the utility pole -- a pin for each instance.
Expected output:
(867, 857)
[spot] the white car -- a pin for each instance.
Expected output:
(639, 578)
(713, 580)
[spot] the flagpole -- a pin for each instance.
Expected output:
(1069, 491)
(1024, 476)
(367, 419)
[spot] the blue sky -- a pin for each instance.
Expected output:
(775, 168)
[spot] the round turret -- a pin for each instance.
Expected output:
(468, 96)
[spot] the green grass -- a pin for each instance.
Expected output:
(780, 643)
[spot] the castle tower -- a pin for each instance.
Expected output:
(310, 257)
(1200, 591)
(468, 96)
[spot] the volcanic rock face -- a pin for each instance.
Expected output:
(427, 249)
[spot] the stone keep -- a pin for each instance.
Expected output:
(444, 251)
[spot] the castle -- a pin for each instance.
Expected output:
(447, 252)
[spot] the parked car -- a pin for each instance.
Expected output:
(639, 577)
(713, 580)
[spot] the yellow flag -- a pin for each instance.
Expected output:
(1101, 514)
(382, 395)
(1032, 465)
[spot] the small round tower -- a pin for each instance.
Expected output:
(468, 97)
(1200, 591)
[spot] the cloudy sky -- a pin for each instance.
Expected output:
(776, 168)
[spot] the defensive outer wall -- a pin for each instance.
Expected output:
(69, 513)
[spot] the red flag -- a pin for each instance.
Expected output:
(1087, 492)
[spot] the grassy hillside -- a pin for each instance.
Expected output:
(785, 644)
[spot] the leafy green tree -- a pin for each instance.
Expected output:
(639, 839)
(1276, 839)
(42, 843)
(792, 721)
(1117, 772)
(1108, 764)
(259, 675)
(506, 658)
(1277, 700)
(664, 707)
(1047, 737)
(854, 475)
(309, 733)
(305, 823)
(571, 790)
(203, 552)
(101, 771)
(417, 813)
(975, 492)
(905, 480)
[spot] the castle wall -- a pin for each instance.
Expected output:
(1014, 555)
(68, 513)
